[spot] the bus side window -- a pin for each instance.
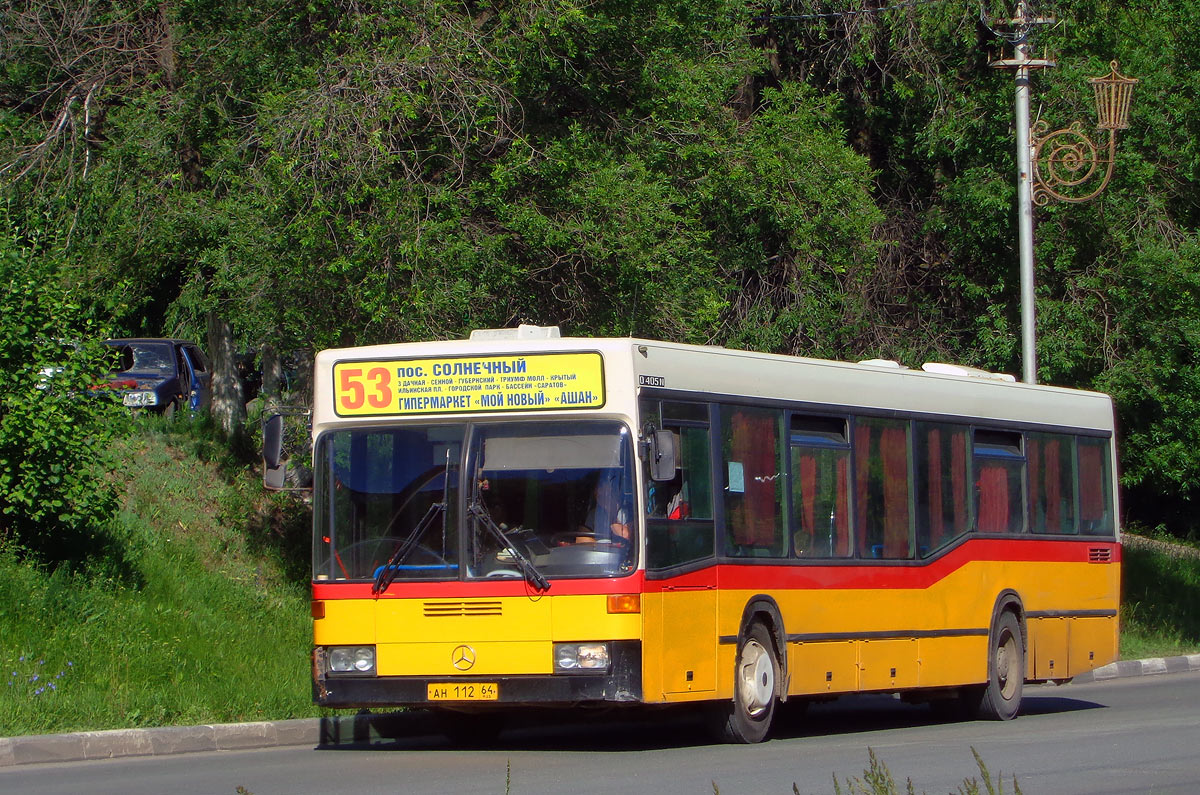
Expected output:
(820, 460)
(881, 489)
(1095, 487)
(679, 521)
(941, 484)
(1050, 459)
(999, 482)
(753, 455)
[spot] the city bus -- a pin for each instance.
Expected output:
(522, 519)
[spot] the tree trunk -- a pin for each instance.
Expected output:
(272, 374)
(228, 404)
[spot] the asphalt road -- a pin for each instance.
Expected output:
(1118, 736)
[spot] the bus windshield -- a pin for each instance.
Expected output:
(532, 500)
(373, 489)
(561, 493)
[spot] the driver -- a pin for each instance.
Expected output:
(608, 518)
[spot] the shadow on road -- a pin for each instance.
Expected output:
(642, 729)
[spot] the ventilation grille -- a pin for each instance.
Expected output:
(458, 609)
(1099, 555)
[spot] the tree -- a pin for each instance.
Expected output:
(55, 502)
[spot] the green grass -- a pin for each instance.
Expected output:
(878, 780)
(199, 619)
(1160, 611)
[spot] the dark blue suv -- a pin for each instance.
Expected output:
(162, 375)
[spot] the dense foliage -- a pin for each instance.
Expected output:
(833, 179)
(55, 501)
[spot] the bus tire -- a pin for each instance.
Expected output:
(1000, 698)
(747, 718)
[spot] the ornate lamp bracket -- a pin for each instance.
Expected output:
(1067, 161)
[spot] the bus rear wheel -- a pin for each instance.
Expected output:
(747, 719)
(1000, 698)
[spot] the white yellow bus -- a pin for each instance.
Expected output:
(523, 519)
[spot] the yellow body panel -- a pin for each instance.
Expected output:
(823, 667)
(1092, 642)
(907, 637)
(963, 601)
(952, 660)
(887, 664)
(1047, 648)
(509, 635)
(346, 622)
(587, 618)
(689, 652)
(491, 658)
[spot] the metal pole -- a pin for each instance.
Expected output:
(1025, 211)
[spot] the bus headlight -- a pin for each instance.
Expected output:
(580, 657)
(351, 659)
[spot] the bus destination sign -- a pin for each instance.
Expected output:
(436, 385)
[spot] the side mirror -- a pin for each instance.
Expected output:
(662, 455)
(273, 440)
(285, 443)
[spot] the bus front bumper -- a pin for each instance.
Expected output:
(622, 683)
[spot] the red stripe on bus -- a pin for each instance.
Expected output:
(850, 575)
(477, 589)
(853, 576)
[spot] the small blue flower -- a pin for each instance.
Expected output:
(38, 692)
(53, 686)
(41, 662)
(22, 659)
(33, 678)
(69, 663)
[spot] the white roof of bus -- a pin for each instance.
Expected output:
(712, 370)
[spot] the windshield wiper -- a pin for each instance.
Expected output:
(477, 509)
(388, 573)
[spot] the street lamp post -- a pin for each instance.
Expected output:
(1023, 64)
(1067, 157)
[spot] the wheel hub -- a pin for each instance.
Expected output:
(757, 678)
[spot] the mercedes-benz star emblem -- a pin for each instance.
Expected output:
(462, 658)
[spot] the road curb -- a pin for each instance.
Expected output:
(86, 746)
(341, 730)
(1149, 667)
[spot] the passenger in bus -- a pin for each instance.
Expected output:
(608, 517)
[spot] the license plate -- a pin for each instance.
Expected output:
(138, 399)
(463, 691)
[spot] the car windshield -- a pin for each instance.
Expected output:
(546, 499)
(145, 357)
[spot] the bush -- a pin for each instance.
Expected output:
(55, 502)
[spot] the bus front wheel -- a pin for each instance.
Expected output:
(747, 719)
(1000, 698)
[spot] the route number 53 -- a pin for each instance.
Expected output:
(358, 389)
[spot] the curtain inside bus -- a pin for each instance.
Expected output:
(881, 484)
(754, 486)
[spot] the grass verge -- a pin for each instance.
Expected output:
(1160, 610)
(198, 619)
